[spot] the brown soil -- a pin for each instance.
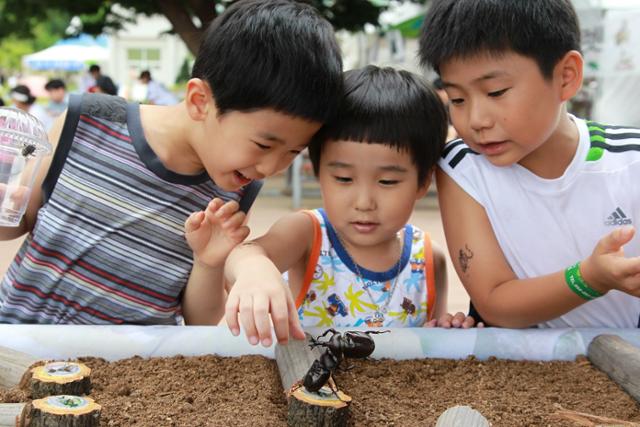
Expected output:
(246, 391)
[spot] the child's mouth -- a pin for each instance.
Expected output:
(243, 180)
(364, 227)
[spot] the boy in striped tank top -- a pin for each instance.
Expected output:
(538, 206)
(356, 262)
(105, 223)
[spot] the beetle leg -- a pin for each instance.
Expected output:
(377, 332)
(315, 343)
(327, 331)
(334, 389)
(348, 368)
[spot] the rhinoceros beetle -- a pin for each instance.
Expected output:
(350, 344)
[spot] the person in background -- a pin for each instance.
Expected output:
(103, 83)
(23, 99)
(58, 97)
(156, 93)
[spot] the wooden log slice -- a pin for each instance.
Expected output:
(322, 408)
(60, 378)
(61, 411)
(618, 359)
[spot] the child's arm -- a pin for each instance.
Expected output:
(501, 298)
(441, 317)
(259, 295)
(211, 234)
(35, 196)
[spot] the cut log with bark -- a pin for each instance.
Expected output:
(61, 411)
(618, 359)
(590, 420)
(60, 378)
(10, 414)
(13, 366)
(328, 407)
(462, 416)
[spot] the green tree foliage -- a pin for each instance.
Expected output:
(41, 34)
(20, 17)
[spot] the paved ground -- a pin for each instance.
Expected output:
(271, 205)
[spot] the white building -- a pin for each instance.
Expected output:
(145, 45)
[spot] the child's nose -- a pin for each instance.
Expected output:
(365, 200)
(479, 117)
(268, 166)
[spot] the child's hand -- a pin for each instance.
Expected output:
(259, 292)
(460, 320)
(607, 268)
(213, 233)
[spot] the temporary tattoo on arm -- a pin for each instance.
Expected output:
(464, 258)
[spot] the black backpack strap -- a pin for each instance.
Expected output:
(249, 196)
(64, 145)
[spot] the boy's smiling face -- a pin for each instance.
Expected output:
(253, 146)
(238, 147)
(504, 108)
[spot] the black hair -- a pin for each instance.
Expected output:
(544, 30)
(276, 54)
(146, 74)
(23, 94)
(94, 68)
(55, 84)
(391, 107)
(107, 85)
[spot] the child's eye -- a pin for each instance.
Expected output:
(456, 101)
(498, 93)
(295, 152)
(344, 179)
(388, 181)
(262, 146)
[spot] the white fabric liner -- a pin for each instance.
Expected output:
(119, 342)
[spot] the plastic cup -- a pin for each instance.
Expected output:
(23, 144)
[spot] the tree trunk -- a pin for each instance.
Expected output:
(618, 359)
(183, 25)
(10, 414)
(14, 365)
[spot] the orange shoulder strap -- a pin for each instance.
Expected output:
(313, 258)
(429, 275)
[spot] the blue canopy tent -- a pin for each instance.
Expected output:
(69, 54)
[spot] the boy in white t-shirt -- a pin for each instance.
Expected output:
(537, 205)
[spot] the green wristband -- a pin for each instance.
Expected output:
(577, 284)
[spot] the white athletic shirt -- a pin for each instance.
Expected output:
(546, 225)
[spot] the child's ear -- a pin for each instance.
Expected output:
(424, 188)
(197, 99)
(569, 70)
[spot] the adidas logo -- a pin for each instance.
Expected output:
(617, 218)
